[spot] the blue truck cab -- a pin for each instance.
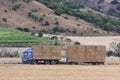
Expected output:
(27, 56)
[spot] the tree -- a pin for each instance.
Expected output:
(116, 47)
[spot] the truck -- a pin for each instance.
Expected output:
(51, 54)
(47, 54)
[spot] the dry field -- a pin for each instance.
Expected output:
(59, 72)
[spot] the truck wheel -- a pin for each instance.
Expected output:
(53, 62)
(24, 62)
(47, 62)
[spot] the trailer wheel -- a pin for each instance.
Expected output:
(47, 62)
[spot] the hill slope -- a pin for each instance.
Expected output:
(38, 17)
(111, 7)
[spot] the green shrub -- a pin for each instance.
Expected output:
(47, 23)
(56, 23)
(56, 43)
(4, 19)
(19, 28)
(74, 31)
(115, 2)
(40, 34)
(110, 53)
(26, 29)
(32, 33)
(35, 9)
(54, 38)
(16, 7)
(77, 43)
(28, 1)
(58, 11)
(65, 17)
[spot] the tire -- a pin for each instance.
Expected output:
(53, 62)
(47, 62)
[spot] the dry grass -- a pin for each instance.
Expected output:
(99, 40)
(10, 60)
(59, 72)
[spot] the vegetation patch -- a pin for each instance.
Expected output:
(11, 36)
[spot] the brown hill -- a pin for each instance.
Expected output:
(14, 13)
(111, 7)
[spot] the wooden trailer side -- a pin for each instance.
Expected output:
(100, 53)
(47, 52)
(72, 53)
(86, 53)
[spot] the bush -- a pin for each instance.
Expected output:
(74, 31)
(40, 34)
(15, 7)
(19, 28)
(54, 38)
(28, 1)
(118, 8)
(56, 23)
(35, 10)
(110, 53)
(77, 43)
(100, 1)
(46, 23)
(65, 17)
(0, 54)
(40, 19)
(56, 43)
(58, 11)
(26, 29)
(115, 2)
(32, 33)
(4, 19)
(5, 10)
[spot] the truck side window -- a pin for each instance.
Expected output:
(25, 54)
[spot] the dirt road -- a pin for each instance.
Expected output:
(59, 72)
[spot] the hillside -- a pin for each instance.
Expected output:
(38, 17)
(111, 7)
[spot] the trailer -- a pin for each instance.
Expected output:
(86, 54)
